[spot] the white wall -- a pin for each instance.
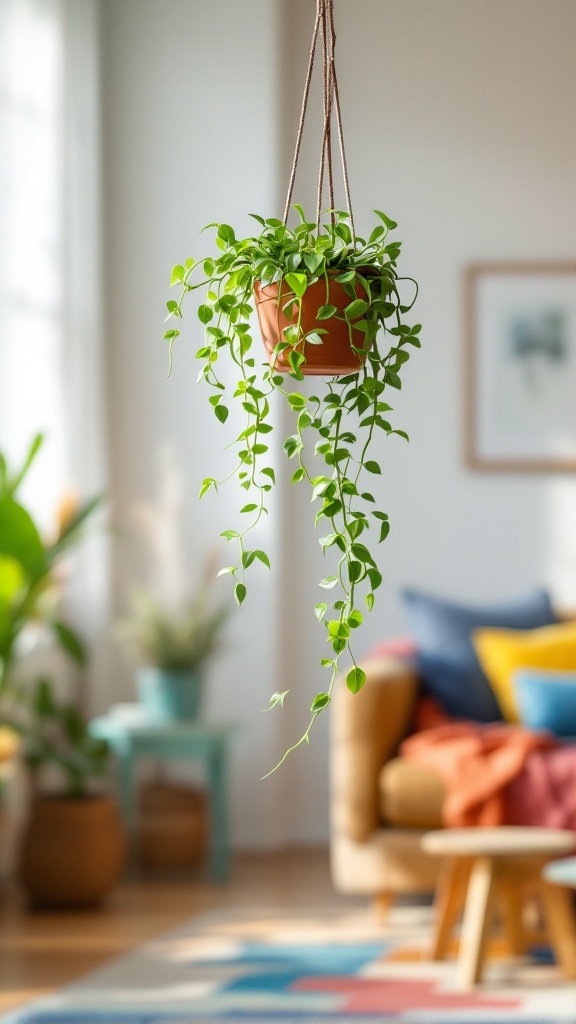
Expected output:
(459, 122)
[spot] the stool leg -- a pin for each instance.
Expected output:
(561, 925)
(382, 903)
(450, 896)
(512, 907)
(477, 922)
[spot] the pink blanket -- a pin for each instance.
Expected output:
(499, 774)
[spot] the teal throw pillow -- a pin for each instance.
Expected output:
(547, 700)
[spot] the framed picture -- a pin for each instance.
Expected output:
(521, 366)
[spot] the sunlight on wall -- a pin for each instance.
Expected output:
(561, 542)
(31, 267)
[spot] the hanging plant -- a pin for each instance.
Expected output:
(329, 303)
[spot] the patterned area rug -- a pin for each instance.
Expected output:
(311, 968)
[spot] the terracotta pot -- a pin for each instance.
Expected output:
(335, 355)
(72, 851)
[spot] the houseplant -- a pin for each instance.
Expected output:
(73, 845)
(30, 571)
(330, 303)
(172, 647)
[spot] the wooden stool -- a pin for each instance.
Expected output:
(483, 865)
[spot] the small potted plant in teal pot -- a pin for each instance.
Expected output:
(172, 648)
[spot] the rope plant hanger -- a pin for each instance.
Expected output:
(330, 303)
(324, 24)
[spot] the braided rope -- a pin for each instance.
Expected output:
(324, 25)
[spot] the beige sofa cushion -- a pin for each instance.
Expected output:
(410, 796)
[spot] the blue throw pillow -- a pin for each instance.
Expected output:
(447, 662)
(547, 700)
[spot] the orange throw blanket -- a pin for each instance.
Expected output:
(478, 763)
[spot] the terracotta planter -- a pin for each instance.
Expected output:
(335, 355)
(72, 851)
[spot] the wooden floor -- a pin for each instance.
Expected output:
(40, 951)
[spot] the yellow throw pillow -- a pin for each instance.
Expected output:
(503, 651)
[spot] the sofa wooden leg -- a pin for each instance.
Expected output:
(382, 903)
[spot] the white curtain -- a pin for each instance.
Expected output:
(51, 365)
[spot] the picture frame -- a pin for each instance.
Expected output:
(520, 389)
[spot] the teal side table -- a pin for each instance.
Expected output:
(130, 740)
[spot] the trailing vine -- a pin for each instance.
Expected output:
(346, 415)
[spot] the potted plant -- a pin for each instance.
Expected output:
(172, 647)
(330, 303)
(305, 283)
(73, 845)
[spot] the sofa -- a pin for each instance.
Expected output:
(380, 804)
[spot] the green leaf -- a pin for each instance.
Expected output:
(339, 629)
(12, 579)
(320, 611)
(263, 557)
(384, 531)
(177, 275)
(249, 508)
(313, 261)
(355, 619)
(37, 442)
(321, 700)
(221, 413)
(314, 338)
(375, 578)
(292, 445)
(390, 224)
(70, 642)
(326, 312)
(205, 313)
(227, 569)
(355, 679)
(297, 476)
(393, 379)
(269, 472)
(297, 401)
(296, 359)
(207, 483)
(356, 309)
(239, 592)
(328, 582)
(43, 701)
(19, 538)
(226, 233)
(372, 467)
(369, 601)
(354, 571)
(277, 698)
(297, 283)
(293, 261)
